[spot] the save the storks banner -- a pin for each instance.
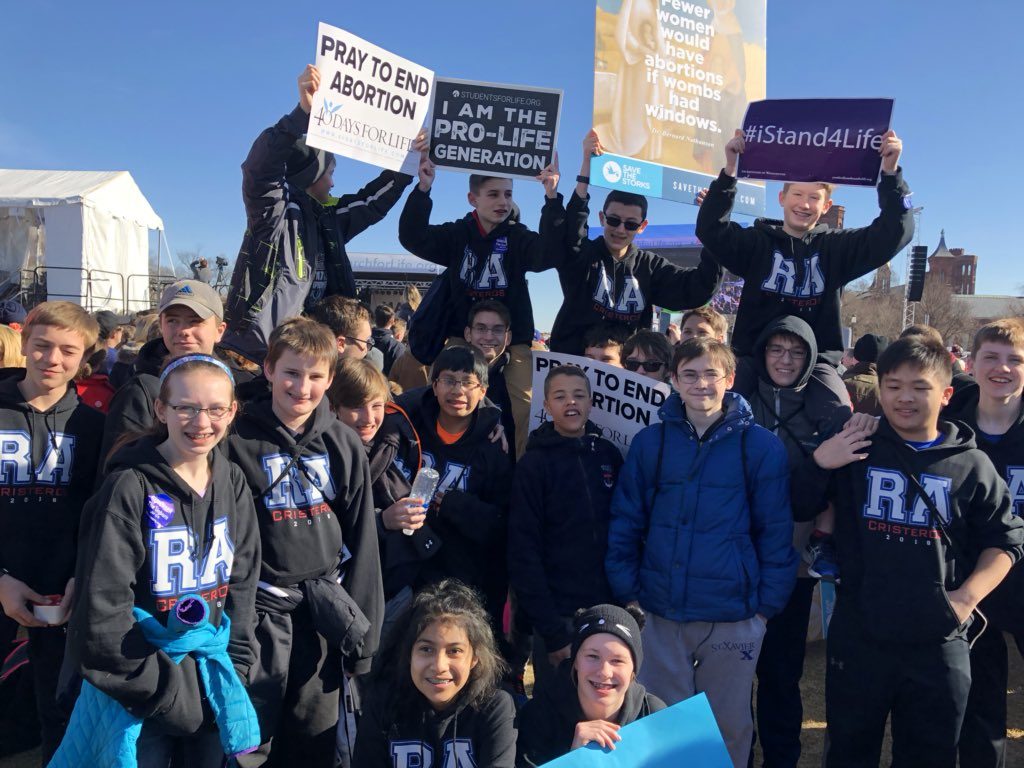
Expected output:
(672, 79)
(622, 402)
(370, 104)
(494, 129)
(831, 140)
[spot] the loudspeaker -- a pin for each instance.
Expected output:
(918, 266)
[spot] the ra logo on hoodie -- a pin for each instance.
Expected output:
(453, 475)
(18, 469)
(782, 278)
(1015, 480)
(306, 483)
(174, 570)
(493, 276)
(458, 753)
(887, 498)
(630, 302)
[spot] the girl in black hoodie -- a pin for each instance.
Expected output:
(173, 517)
(437, 692)
(595, 692)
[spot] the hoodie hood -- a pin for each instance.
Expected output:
(956, 436)
(260, 410)
(774, 229)
(11, 397)
(563, 699)
(151, 357)
(485, 418)
(793, 326)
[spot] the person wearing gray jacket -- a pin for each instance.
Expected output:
(803, 403)
(293, 253)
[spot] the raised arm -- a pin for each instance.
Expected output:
(678, 287)
(433, 242)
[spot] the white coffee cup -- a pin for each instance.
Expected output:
(51, 614)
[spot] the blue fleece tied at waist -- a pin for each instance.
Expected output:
(101, 732)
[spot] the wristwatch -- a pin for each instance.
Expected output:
(583, 179)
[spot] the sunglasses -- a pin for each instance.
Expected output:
(650, 366)
(614, 222)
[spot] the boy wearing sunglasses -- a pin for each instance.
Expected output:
(609, 279)
(648, 353)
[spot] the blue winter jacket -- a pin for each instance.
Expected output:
(710, 538)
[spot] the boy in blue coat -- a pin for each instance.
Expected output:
(704, 549)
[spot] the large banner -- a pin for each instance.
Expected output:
(371, 103)
(685, 734)
(830, 140)
(672, 79)
(494, 129)
(622, 402)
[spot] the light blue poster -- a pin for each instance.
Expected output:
(685, 734)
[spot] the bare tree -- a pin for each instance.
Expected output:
(940, 309)
(867, 311)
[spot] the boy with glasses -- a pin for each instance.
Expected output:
(349, 321)
(469, 511)
(705, 551)
(609, 279)
(489, 330)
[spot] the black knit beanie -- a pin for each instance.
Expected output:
(612, 620)
(869, 347)
(306, 164)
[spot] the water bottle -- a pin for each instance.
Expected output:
(423, 488)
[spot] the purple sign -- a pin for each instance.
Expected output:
(829, 140)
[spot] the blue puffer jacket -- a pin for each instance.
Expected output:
(710, 540)
(103, 733)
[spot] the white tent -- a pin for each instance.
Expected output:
(87, 231)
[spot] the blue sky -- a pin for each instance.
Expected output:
(175, 94)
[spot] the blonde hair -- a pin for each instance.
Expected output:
(63, 314)
(303, 337)
(10, 348)
(412, 296)
(357, 382)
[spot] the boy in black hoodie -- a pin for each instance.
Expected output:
(994, 409)
(487, 256)
(797, 267)
(49, 444)
(790, 397)
(311, 485)
(609, 279)
(469, 511)
(556, 544)
(924, 531)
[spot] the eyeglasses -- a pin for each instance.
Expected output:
(692, 377)
(493, 330)
(614, 222)
(650, 366)
(796, 354)
(450, 382)
(191, 412)
(368, 342)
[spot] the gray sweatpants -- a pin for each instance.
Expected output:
(682, 659)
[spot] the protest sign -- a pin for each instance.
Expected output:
(681, 735)
(830, 140)
(623, 402)
(371, 103)
(671, 81)
(494, 129)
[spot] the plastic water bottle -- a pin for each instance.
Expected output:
(423, 488)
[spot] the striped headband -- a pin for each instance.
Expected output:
(177, 363)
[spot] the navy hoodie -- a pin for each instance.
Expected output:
(491, 266)
(558, 527)
(897, 562)
(47, 470)
(784, 275)
(472, 517)
(599, 288)
(139, 534)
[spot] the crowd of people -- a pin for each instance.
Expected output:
(212, 542)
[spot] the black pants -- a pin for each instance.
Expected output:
(158, 749)
(983, 735)
(780, 711)
(294, 687)
(45, 655)
(922, 686)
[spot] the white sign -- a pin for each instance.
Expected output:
(371, 103)
(623, 402)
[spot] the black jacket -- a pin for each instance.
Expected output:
(783, 275)
(600, 288)
(48, 469)
(137, 535)
(897, 562)
(289, 234)
(472, 518)
(491, 266)
(558, 527)
(313, 500)
(1005, 606)
(390, 347)
(547, 722)
(480, 737)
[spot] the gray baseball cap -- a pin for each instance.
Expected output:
(194, 294)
